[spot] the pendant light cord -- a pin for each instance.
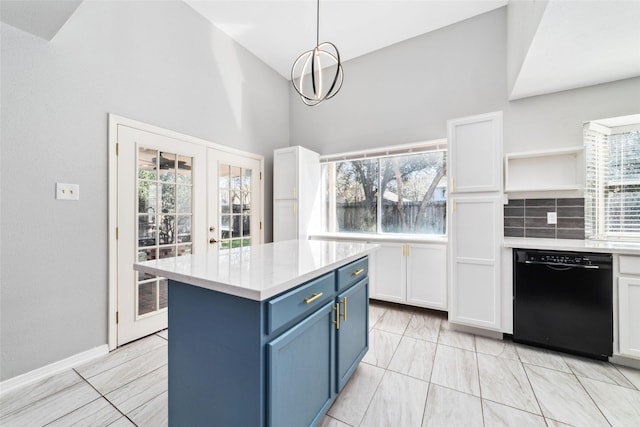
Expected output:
(318, 23)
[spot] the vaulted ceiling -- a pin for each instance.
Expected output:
(572, 43)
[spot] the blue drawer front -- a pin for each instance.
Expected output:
(292, 305)
(351, 273)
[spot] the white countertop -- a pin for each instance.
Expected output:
(573, 245)
(261, 271)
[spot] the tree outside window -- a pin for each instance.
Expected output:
(391, 194)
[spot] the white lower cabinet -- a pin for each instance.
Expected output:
(629, 306)
(475, 252)
(410, 273)
(629, 316)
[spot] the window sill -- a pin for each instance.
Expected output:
(391, 238)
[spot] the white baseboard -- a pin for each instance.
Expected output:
(52, 369)
(497, 335)
(625, 361)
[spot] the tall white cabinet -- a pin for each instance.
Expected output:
(475, 220)
(296, 193)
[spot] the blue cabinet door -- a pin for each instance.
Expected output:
(301, 371)
(353, 335)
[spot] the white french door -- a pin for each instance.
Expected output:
(234, 200)
(161, 205)
(171, 195)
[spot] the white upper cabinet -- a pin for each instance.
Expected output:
(296, 193)
(285, 173)
(475, 153)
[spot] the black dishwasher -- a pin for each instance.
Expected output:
(563, 301)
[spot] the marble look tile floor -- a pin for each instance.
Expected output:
(418, 372)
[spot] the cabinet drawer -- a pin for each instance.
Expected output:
(287, 307)
(629, 264)
(351, 273)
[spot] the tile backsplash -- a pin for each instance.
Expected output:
(528, 218)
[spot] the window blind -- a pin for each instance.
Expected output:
(612, 191)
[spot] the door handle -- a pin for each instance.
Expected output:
(336, 322)
(212, 240)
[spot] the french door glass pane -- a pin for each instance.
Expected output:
(147, 297)
(165, 215)
(234, 187)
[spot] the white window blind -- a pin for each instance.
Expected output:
(612, 192)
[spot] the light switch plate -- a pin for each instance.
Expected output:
(67, 191)
(552, 217)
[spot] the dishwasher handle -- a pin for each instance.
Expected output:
(559, 264)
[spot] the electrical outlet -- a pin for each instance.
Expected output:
(552, 217)
(67, 191)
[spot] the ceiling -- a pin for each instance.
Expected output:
(581, 43)
(42, 18)
(576, 43)
(278, 31)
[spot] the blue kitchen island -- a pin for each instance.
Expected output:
(265, 335)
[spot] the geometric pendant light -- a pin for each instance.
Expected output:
(317, 74)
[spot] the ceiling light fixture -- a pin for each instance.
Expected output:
(307, 75)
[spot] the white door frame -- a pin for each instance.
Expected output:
(114, 121)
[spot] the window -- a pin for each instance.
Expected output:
(401, 190)
(612, 192)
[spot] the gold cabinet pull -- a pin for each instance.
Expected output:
(453, 184)
(313, 298)
(358, 272)
(336, 322)
(408, 250)
(344, 313)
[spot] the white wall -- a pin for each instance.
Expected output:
(157, 62)
(406, 93)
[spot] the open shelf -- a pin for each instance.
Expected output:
(543, 170)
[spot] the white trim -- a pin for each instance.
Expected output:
(112, 224)
(52, 369)
(114, 122)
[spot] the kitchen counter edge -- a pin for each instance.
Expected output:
(625, 248)
(179, 269)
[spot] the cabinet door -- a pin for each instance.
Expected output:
(476, 227)
(300, 371)
(427, 276)
(475, 153)
(285, 220)
(353, 334)
(387, 272)
(285, 173)
(629, 316)
(309, 212)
